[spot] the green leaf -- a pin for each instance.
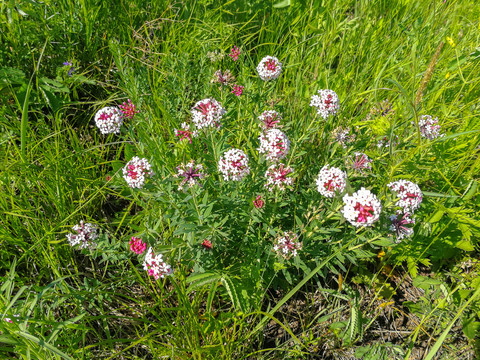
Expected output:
(465, 245)
(282, 4)
(470, 327)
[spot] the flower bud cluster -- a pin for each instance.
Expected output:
(362, 208)
(331, 181)
(207, 113)
(269, 68)
(137, 245)
(286, 244)
(109, 120)
(277, 176)
(84, 235)
(234, 165)
(136, 171)
(155, 266)
(326, 102)
(409, 194)
(274, 144)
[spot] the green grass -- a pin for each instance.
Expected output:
(54, 164)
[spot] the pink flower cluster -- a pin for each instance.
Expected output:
(207, 113)
(429, 127)
(234, 165)
(155, 266)
(85, 235)
(326, 102)
(331, 181)
(361, 162)
(190, 174)
(109, 120)
(186, 133)
(128, 110)
(409, 195)
(258, 202)
(234, 53)
(137, 245)
(136, 171)
(277, 176)
(274, 144)
(237, 89)
(399, 224)
(269, 68)
(362, 208)
(269, 119)
(286, 244)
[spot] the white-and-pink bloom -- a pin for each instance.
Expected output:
(286, 244)
(155, 266)
(109, 120)
(278, 177)
(362, 208)
(207, 113)
(326, 102)
(136, 171)
(399, 224)
(234, 165)
(361, 162)
(331, 181)
(186, 133)
(84, 235)
(429, 127)
(409, 194)
(269, 119)
(269, 68)
(274, 144)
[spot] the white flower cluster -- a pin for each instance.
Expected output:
(269, 68)
(274, 144)
(326, 102)
(362, 208)
(234, 165)
(207, 113)
(135, 172)
(331, 181)
(287, 245)
(155, 266)
(428, 127)
(85, 235)
(409, 194)
(277, 177)
(269, 119)
(109, 120)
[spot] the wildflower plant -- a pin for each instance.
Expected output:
(234, 165)
(207, 113)
(274, 144)
(186, 133)
(109, 120)
(429, 127)
(331, 181)
(190, 174)
(326, 102)
(278, 177)
(84, 235)
(155, 266)
(362, 208)
(136, 172)
(286, 244)
(269, 68)
(409, 194)
(269, 119)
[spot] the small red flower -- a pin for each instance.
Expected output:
(108, 178)
(258, 202)
(207, 244)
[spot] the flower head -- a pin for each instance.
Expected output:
(84, 235)
(109, 120)
(326, 102)
(428, 127)
(286, 244)
(409, 194)
(343, 136)
(190, 174)
(234, 165)
(207, 244)
(331, 181)
(223, 79)
(258, 202)
(136, 171)
(277, 176)
(237, 89)
(234, 53)
(269, 119)
(137, 245)
(362, 208)
(155, 265)
(274, 144)
(128, 110)
(361, 162)
(207, 113)
(398, 225)
(269, 68)
(186, 133)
